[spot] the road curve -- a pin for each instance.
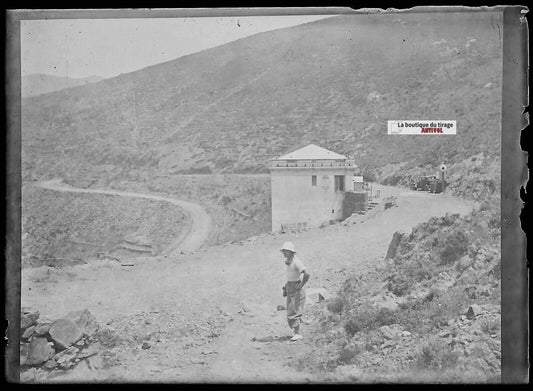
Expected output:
(189, 240)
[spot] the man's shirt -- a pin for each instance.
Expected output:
(294, 269)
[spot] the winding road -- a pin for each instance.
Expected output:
(189, 240)
(213, 315)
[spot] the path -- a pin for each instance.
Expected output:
(189, 240)
(227, 295)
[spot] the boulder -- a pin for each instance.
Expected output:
(84, 320)
(394, 243)
(28, 333)
(23, 353)
(65, 359)
(50, 364)
(42, 329)
(95, 362)
(473, 311)
(39, 351)
(393, 331)
(316, 295)
(28, 318)
(64, 333)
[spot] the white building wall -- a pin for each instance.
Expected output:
(295, 200)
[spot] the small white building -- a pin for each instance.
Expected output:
(308, 187)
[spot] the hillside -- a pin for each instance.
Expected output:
(428, 312)
(229, 109)
(215, 316)
(37, 84)
(68, 228)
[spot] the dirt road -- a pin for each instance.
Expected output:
(211, 316)
(191, 238)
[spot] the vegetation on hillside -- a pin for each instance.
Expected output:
(429, 312)
(238, 204)
(333, 82)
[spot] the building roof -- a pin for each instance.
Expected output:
(312, 152)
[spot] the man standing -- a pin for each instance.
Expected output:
(294, 288)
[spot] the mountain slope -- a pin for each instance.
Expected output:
(333, 82)
(37, 84)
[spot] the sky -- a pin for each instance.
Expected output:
(80, 48)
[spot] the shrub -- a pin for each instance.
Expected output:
(337, 305)
(353, 325)
(348, 353)
(368, 317)
(399, 285)
(490, 326)
(455, 247)
(437, 355)
(384, 317)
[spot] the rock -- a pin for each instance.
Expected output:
(393, 331)
(23, 353)
(42, 329)
(50, 364)
(443, 282)
(80, 343)
(65, 359)
(388, 301)
(28, 318)
(154, 369)
(316, 295)
(28, 333)
(245, 308)
(445, 333)
(494, 308)
(374, 96)
(393, 245)
(84, 320)
(281, 307)
(146, 345)
(64, 333)
(39, 351)
(90, 351)
(473, 311)
(28, 376)
(95, 362)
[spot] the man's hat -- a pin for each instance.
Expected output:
(288, 246)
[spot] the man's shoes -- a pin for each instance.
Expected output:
(296, 337)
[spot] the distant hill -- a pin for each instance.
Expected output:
(333, 82)
(39, 83)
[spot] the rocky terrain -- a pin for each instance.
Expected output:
(410, 290)
(217, 314)
(429, 311)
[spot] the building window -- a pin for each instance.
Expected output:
(313, 180)
(339, 182)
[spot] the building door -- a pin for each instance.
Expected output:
(339, 182)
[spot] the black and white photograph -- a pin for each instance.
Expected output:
(261, 197)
